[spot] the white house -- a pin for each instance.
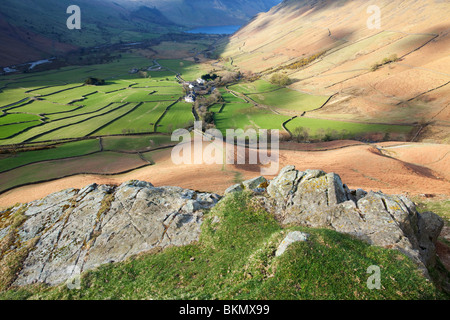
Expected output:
(190, 98)
(200, 81)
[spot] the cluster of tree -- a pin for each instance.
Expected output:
(229, 77)
(390, 59)
(280, 79)
(94, 81)
(302, 134)
(202, 104)
(299, 64)
(143, 74)
(209, 77)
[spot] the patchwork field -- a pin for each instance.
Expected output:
(50, 121)
(61, 106)
(53, 125)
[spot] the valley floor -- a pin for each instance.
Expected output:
(394, 168)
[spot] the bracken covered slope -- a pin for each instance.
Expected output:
(353, 63)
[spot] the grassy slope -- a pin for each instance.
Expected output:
(99, 163)
(137, 143)
(290, 100)
(72, 149)
(179, 116)
(102, 22)
(234, 259)
(140, 120)
(348, 129)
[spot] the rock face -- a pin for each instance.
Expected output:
(79, 230)
(292, 237)
(316, 199)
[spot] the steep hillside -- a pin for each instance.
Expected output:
(399, 73)
(43, 23)
(210, 13)
(102, 22)
(21, 45)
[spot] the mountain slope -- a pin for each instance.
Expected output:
(211, 12)
(20, 45)
(108, 21)
(102, 22)
(413, 89)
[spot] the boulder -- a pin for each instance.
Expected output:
(292, 237)
(83, 229)
(316, 199)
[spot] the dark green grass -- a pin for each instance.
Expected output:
(99, 163)
(289, 99)
(135, 143)
(245, 116)
(345, 129)
(72, 149)
(9, 130)
(89, 126)
(179, 116)
(43, 107)
(234, 259)
(438, 205)
(254, 87)
(142, 119)
(16, 118)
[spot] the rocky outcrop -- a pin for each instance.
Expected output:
(82, 229)
(316, 199)
(78, 230)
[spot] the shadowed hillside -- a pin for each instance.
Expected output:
(396, 74)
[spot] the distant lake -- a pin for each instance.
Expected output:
(216, 30)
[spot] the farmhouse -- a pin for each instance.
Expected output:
(200, 81)
(190, 98)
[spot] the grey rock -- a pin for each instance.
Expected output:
(316, 199)
(104, 224)
(255, 183)
(236, 188)
(292, 237)
(429, 227)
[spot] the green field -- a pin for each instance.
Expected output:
(142, 119)
(10, 130)
(135, 143)
(265, 93)
(289, 99)
(188, 70)
(245, 116)
(179, 116)
(99, 163)
(70, 109)
(72, 149)
(344, 130)
(41, 107)
(17, 118)
(254, 87)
